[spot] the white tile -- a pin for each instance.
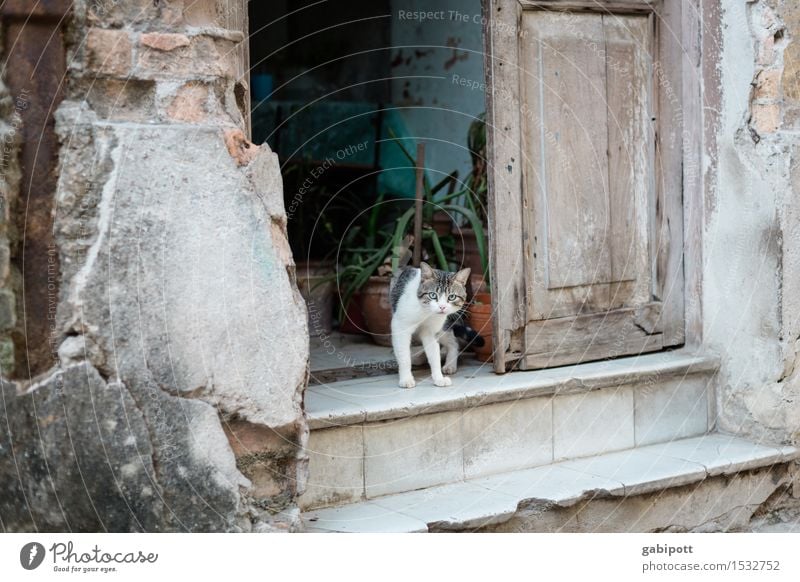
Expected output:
(507, 436)
(639, 471)
(671, 409)
(550, 484)
(361, 518)
(324, 410)
(340, 351)
(335, 467)
(412, 453)
(380, 398)
(453, 506)
(720, 453)
(594, 422)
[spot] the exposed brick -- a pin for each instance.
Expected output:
(164, 41)
(122, 12)
(791, 55)
(190, 103)
(201, 13)
(240, 149)
(768, 84)
(247, 438)
(766, 52)
(791, 117)
(109, 52)
(791, 69)
(766, 117)
(203, 56)
(123, 99)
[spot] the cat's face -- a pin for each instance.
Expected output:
(441, 292)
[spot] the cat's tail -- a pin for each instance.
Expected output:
(402, 253)
(464, 332)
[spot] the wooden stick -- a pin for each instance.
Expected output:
(418, 208)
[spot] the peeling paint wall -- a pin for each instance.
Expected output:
(437, 70)
(751, 250)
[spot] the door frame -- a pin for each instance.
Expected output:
(680, 49)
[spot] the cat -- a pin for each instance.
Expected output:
(427, 304)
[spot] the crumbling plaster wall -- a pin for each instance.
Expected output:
(751, 298)
(174, 401)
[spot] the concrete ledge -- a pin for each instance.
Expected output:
(379, 398)
(496, 501)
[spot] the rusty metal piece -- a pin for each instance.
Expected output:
(34, 49)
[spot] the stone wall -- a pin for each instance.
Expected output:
(751, 297)
(174, 399)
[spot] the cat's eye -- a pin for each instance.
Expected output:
(433, 296)
(452, 298)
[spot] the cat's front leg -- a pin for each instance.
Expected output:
(450, 344)
(401, 343)
(431, 346)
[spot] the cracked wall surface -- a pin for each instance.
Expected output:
(174, 402)
(752, 236)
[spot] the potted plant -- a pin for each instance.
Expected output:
(471, 244)
(436, 209)
(470, 204)
(363, 284)
(311, 204)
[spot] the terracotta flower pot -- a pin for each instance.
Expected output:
(353, 321)
(442, 223)
(377, 310)
(480, 318)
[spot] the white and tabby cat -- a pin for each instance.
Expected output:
(426, 304)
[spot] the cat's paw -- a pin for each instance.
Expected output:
(446, 369)
(407, 382)
(443, 381)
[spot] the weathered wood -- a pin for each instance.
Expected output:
(571, 340)
(609, 6)
(567, 182)
(36, 65)
(505, 168)
(587, 182)
(601, 213)
(668, 237)
(42, 10)
(693, 186)
(628, 66)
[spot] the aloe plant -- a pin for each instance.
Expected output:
(471, 211)
(367, 246)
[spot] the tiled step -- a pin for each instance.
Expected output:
(371, 438)
(495, 499)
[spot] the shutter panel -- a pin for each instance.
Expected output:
(589, 269)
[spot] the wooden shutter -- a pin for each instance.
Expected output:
(585, 182)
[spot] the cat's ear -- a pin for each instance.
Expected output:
(463, 276)
(427, 271)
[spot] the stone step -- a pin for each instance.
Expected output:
(370, 438)
(489, 501)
